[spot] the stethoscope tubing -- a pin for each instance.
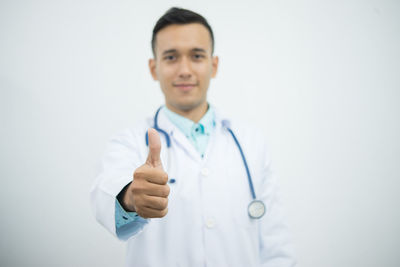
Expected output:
(253, 194)
(168, 140)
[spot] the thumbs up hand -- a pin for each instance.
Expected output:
(148, 192)
(153, 159)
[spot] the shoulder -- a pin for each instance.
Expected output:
(133, 133)
(242, 129)
(252, 142)
(250, 137)
(247, 129)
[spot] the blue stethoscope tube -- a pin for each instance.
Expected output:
(159, 130)
(225, 124)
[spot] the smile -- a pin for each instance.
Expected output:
(185, 86)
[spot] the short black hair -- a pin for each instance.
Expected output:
(181, 16)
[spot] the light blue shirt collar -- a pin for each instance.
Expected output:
(188, 127)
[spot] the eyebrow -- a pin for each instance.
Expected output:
(169, 51)
(174, 51)
(199, 50)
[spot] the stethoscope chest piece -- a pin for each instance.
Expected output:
(256, 209)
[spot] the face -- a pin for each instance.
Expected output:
(184, 65)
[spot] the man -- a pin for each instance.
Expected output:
(185, 199)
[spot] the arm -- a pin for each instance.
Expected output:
(146, 193)
(120, 160)
(275, 241)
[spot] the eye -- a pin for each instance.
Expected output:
(170, 58)
(198, 56)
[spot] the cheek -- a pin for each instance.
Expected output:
(165, 73)
(203, 71)
(206, 74)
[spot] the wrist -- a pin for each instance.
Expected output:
(124, 198)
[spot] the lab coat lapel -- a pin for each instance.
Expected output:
(213, 138)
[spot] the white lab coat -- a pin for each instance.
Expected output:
(207, 222)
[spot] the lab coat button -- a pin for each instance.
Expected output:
(205, 172)
(210, 223)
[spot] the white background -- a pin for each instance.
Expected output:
(321, 78)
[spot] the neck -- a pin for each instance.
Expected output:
(194, 114)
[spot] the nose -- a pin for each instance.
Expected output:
(185, 70)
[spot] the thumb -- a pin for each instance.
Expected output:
(153, 159)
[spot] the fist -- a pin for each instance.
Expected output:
(148, 193)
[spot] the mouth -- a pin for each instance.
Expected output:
(185, 87)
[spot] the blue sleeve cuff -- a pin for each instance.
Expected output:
(127, 224)
(123, 217)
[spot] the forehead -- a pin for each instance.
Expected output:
(183, 37)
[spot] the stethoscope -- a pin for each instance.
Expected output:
(256, 208)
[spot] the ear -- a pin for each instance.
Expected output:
(152, 67)
(214, 63)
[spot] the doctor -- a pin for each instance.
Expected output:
(187, 187)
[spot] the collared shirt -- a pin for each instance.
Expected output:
(197, 133)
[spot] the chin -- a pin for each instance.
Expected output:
(187, 105)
